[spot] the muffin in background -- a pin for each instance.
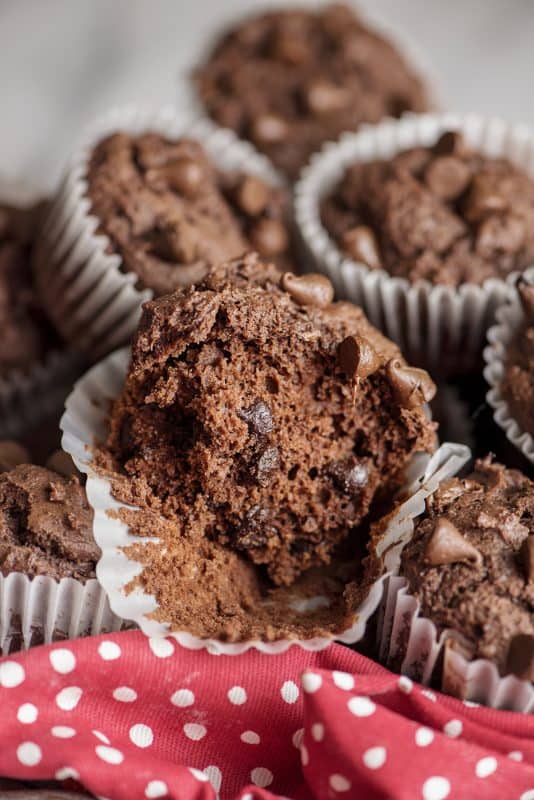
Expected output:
(517, 384)
(290, 80)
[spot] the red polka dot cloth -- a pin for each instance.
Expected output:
(128, 717)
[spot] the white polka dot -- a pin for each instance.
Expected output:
(528, 795)
(250, 737)
(194, 731)
(109, 651)
(109, 754)
(183, 698)
(200, 776)
(436, 788)
(361, 706)
(485, 767)
(124, 694)
(297, 738)
(516, 755)
(101, 736)
(64, 773)
(290, 692)
(343, 680)
(63, 732)
(162, 648)
(29, 754)
(311, 682)
(141, 735)
(214, 775)
(237, 695)
(11, 674)
(424, 737)
(304, 755)
(317, 732)
(375, 757)
(68, 698)
(428, 694)
(453, 728)
(471, 704)
(62, 660)
(247, 796)
(339, 783)
(262, 777)
(405, 684)
(27, 713)
(156, 789)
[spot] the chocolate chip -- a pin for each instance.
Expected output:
(256, 530)
(500, 234)
(323, 97)
(259, 418)
(289, 48)
(411, 386)
(268, 129)
(526, 554)
(520, 659)
(269, 237)
(308, 290)
(185, 175)
(450, 143)
(356, 357)
(63, 464)
(252, 195)
(447, 546)
(174, 242)
(361, 245)
(447, 177)
(349, 476)
(484, 198)
(12, 454)
(268, 461)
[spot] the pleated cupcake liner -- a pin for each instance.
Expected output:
(92, 300)
(509, 318)
(441, 328)
(86, 421)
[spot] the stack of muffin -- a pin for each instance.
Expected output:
(262, 433)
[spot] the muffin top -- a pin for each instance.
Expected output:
(290, 80)
(263, 414)
(171, 215)
(518, 382)
(470, 564)
(26, 336)
(445, 214)
(45, 519)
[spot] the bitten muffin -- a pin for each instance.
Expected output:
(445, 214)
(171, 214)
(264, 416)
(291, 80)
(26, 337)
(45, 518)
(470, 564)
(518, 381)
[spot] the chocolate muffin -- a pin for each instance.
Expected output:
(445, 214)
(470, 564)
(171, 214)
(26, 337)
(518, 381)
(264, 415)
(45, 519)
(291, 80)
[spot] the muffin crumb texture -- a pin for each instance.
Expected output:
(470, 564)
(263, 422)
(445, 214)
(291, 80)
(170, 214)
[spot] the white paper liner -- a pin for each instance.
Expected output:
(94, 303)
(509, 318)
(85, 421)
(439, 327)
(410, 643)
(42, 610)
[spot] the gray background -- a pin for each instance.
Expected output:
(63, 61)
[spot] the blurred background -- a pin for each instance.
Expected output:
(63, 61)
